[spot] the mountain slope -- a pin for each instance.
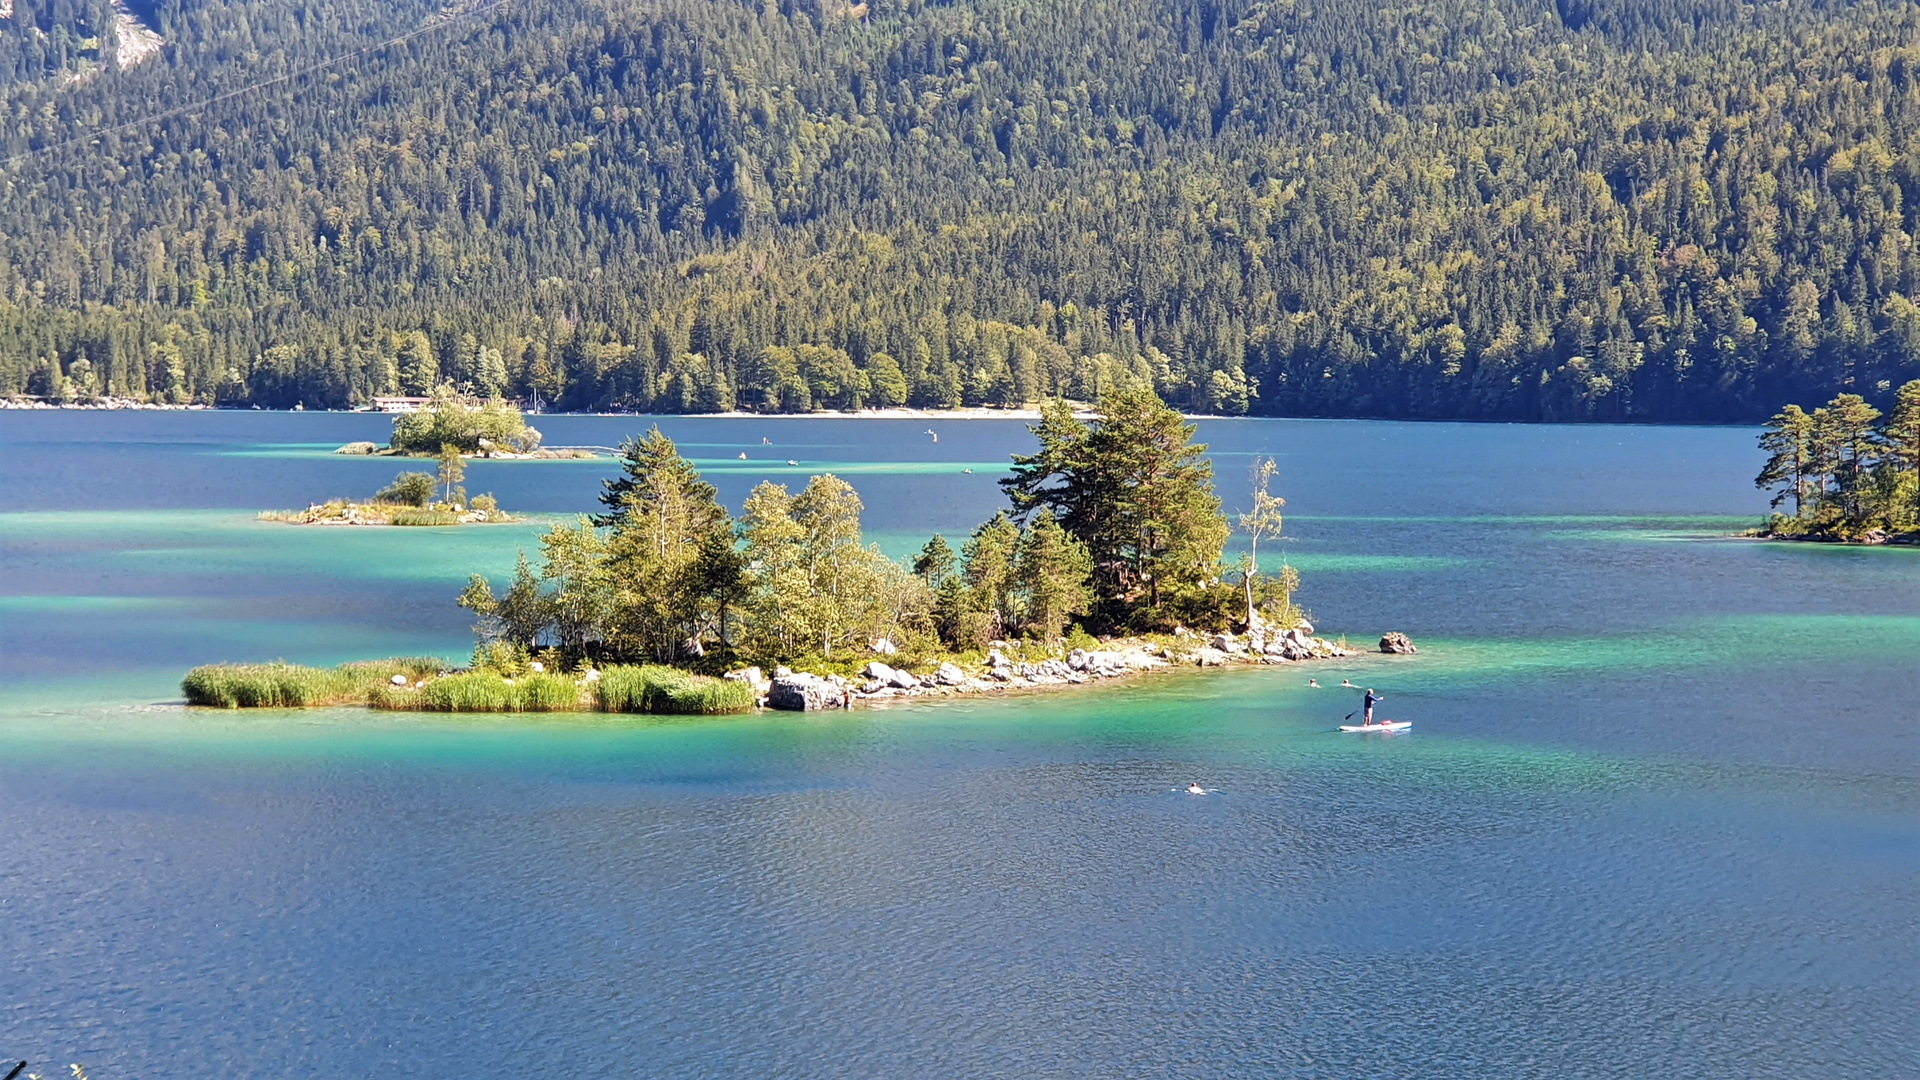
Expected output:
(1465, 208)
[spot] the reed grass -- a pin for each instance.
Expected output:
(269, 686)
(424, 688)
(412, 516)
(481, 691)
(648, 688)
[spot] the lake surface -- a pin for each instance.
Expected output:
(1657, 816)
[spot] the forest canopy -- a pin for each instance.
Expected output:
(1591, 210)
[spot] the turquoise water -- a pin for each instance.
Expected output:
(1657, 816)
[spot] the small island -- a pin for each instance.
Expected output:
(493, 428)
(1852, 474)
(1110, 561)
(409, 500)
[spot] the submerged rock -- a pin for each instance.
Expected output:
(1397, 642)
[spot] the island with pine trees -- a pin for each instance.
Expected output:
(1851, 473)
(1109, 560)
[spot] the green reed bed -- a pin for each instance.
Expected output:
(422, 517)
(482, 691)
(651, 689)
(425, 685)
(270, 686)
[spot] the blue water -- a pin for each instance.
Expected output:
(1657, 815)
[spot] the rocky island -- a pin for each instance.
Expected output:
(1110, 562)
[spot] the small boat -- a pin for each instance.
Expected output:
(1382, 726)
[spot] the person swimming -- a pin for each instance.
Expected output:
(1315, 683)
(1348, 683)
(1195, 789)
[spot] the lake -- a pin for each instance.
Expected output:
(1657, 816)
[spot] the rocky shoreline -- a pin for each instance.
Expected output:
(880, 682)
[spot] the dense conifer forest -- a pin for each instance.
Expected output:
(1502, 209)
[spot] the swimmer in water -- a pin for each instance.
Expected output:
(1196, 789)
(1349, 684)
(1315, 683)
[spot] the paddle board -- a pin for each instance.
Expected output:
(1384, 725)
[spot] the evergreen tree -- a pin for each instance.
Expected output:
(1788, 441)
(988, 569)
(669, 549)
(1134, 489)
(935, 562)
(1054, 574)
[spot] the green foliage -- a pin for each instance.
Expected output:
(449, 420)
(810, 581)
(1604, 209)
(407, 489)
(654, 689)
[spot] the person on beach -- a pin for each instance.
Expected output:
(1366, 715)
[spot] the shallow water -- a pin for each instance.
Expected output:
(1657, 815)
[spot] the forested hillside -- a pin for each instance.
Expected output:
(1566, 210)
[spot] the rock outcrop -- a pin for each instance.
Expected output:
(1398, 643)
(805, 693)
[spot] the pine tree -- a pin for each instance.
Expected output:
(667, 550)
(988, 567)
(1054, 575)
(1788, 441)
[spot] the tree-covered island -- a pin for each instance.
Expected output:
(1109, 560)
(492, 428)
(1851, 473)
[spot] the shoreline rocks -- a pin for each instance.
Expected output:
(879, 681)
